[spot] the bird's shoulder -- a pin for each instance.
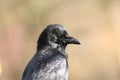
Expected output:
(45, 61)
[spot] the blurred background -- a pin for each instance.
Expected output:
(95, 23)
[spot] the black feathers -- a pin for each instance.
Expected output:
(50, 60)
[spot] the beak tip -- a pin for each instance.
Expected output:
(78, 43)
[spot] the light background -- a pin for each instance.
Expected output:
(95, 23)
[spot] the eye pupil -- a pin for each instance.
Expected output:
(65, 32)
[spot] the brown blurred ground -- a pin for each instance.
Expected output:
(96, 23)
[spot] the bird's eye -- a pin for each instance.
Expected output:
(65, 33)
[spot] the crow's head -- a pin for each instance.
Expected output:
(55, 35)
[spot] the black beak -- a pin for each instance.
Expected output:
(71, 40)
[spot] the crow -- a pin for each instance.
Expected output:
(50, 61)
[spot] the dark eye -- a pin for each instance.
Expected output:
(65, 33)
